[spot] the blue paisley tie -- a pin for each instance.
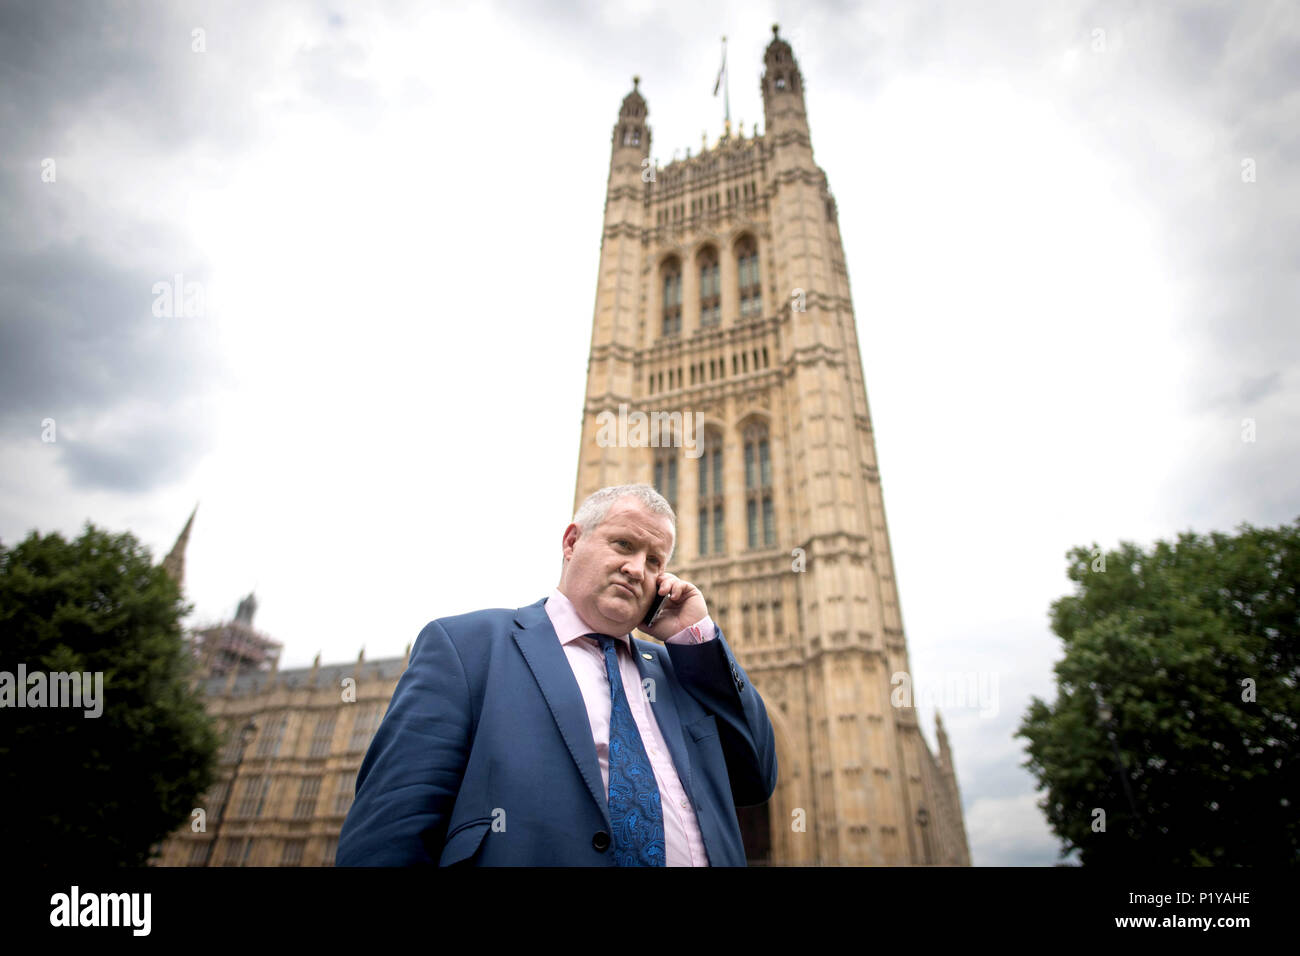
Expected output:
(634, 811)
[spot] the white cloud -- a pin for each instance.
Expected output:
(1010, 831)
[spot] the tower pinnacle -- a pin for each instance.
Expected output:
(247, 608)
(174, 563)
(782, 87)
(631, 131)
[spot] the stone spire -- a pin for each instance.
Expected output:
(945, 752)
(174, 563)
(247, 608)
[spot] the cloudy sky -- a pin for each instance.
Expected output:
(1071, 231)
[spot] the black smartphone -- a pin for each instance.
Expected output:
(655, 607)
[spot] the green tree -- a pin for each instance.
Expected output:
(1175, 642)
(97, 791)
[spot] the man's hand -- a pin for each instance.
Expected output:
(685, 606)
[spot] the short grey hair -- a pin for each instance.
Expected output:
(596, 506)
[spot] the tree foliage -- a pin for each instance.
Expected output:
(1173, 641)
(98, 791)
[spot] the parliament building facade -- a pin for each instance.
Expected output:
(725, 370)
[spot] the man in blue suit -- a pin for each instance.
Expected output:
(548, 736)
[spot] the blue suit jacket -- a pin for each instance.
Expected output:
(486, 757)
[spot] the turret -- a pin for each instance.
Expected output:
(631, 131)
(629, 158)
(782, 87)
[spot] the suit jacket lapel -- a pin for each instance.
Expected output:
(541, 648)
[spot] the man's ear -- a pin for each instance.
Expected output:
(571, 535)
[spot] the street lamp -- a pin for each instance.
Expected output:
(246, 735)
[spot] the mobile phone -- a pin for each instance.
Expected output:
(655, 607)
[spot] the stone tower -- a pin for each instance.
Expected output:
(725, 370)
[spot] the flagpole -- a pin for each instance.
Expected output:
(726, 88)
(726, 98)
(726, 92)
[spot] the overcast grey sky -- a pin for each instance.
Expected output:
(1071, 231)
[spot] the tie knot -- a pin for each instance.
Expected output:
(604, 640)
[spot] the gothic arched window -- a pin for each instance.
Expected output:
(751, 294)
(712, 511)
(666, 467)
(672, 297)
(759, 512)
(710, 288)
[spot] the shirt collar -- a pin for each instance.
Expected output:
(568, 624)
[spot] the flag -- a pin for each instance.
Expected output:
(722, 69)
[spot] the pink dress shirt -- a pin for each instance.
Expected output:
(683, 843)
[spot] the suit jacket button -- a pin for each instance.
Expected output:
(601, 840)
